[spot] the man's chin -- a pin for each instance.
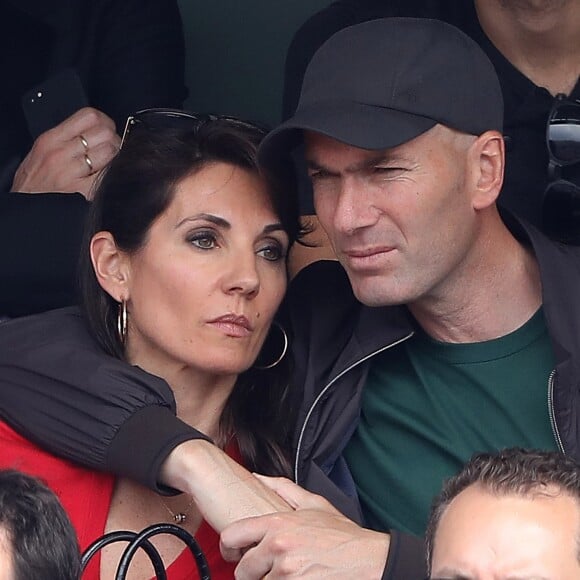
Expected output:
(373, 292)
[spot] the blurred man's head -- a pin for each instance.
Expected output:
(510, 516)
(37, 540)
(401, 122)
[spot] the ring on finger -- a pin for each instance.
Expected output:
(89, 163)
(84, 142)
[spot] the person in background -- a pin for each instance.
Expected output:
(511, 514)
(37, 540)
(534, 46)
(100, 61)
(183, 271)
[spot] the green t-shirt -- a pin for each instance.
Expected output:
(428, 406)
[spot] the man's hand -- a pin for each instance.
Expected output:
(316, 541)
(67, 158)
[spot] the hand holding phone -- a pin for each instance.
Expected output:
(51, 102)
(67, 158)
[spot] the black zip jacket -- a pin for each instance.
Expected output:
(336, 337)
(62, 392)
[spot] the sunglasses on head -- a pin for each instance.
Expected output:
(178, 120)
(561, 206)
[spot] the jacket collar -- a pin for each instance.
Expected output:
(560, 276)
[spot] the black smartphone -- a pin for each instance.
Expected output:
(52, 101)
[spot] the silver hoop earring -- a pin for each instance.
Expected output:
(122, 320)
(284, 348)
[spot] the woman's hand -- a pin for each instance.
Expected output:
(223, 490)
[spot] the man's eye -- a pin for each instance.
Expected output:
(203, 240)
(317, 174)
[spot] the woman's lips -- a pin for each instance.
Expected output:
(233, 325)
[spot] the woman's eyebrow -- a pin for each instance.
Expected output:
(214, 219)
(273, 228)
(225, 224)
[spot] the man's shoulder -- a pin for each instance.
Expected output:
(553, 257)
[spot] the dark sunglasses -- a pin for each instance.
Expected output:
(561, 206)
(179, 120)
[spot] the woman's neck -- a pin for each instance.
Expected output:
(200, 397)
(200, 402)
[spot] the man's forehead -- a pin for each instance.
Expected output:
(321, 150)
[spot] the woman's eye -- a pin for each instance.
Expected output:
(203, 240)
(272, 253)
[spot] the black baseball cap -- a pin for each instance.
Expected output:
(382, 83)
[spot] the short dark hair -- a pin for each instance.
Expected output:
(513, 471)
(41, 538)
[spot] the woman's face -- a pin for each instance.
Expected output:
(205, 287)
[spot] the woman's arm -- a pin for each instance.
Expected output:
(60, 390)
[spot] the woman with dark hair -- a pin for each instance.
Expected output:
(183, 271)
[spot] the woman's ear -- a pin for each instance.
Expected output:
(488, 163)
(111, 266)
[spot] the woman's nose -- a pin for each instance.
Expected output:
(243, 276)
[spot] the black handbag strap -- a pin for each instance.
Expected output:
(138, 540)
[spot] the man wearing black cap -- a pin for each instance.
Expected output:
(534, 46)
(463, 317)
(445, 331)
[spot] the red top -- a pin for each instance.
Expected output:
(86, 496)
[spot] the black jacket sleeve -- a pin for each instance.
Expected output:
(40, 237)
(406, 558)
(61, 391)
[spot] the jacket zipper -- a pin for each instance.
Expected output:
(321, 394)
(551, 413)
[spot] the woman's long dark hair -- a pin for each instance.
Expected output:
(135, 189)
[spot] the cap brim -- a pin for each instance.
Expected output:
(364, 126)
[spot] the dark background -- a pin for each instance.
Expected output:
(236, 51)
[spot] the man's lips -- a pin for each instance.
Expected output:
(366, 257)
(365, 253)
(233, 325)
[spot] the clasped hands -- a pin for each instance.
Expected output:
(313, 541)
(274, 528)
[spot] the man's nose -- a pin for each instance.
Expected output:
(352, 211)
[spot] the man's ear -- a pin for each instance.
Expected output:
(487, 160)
(111, 266)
